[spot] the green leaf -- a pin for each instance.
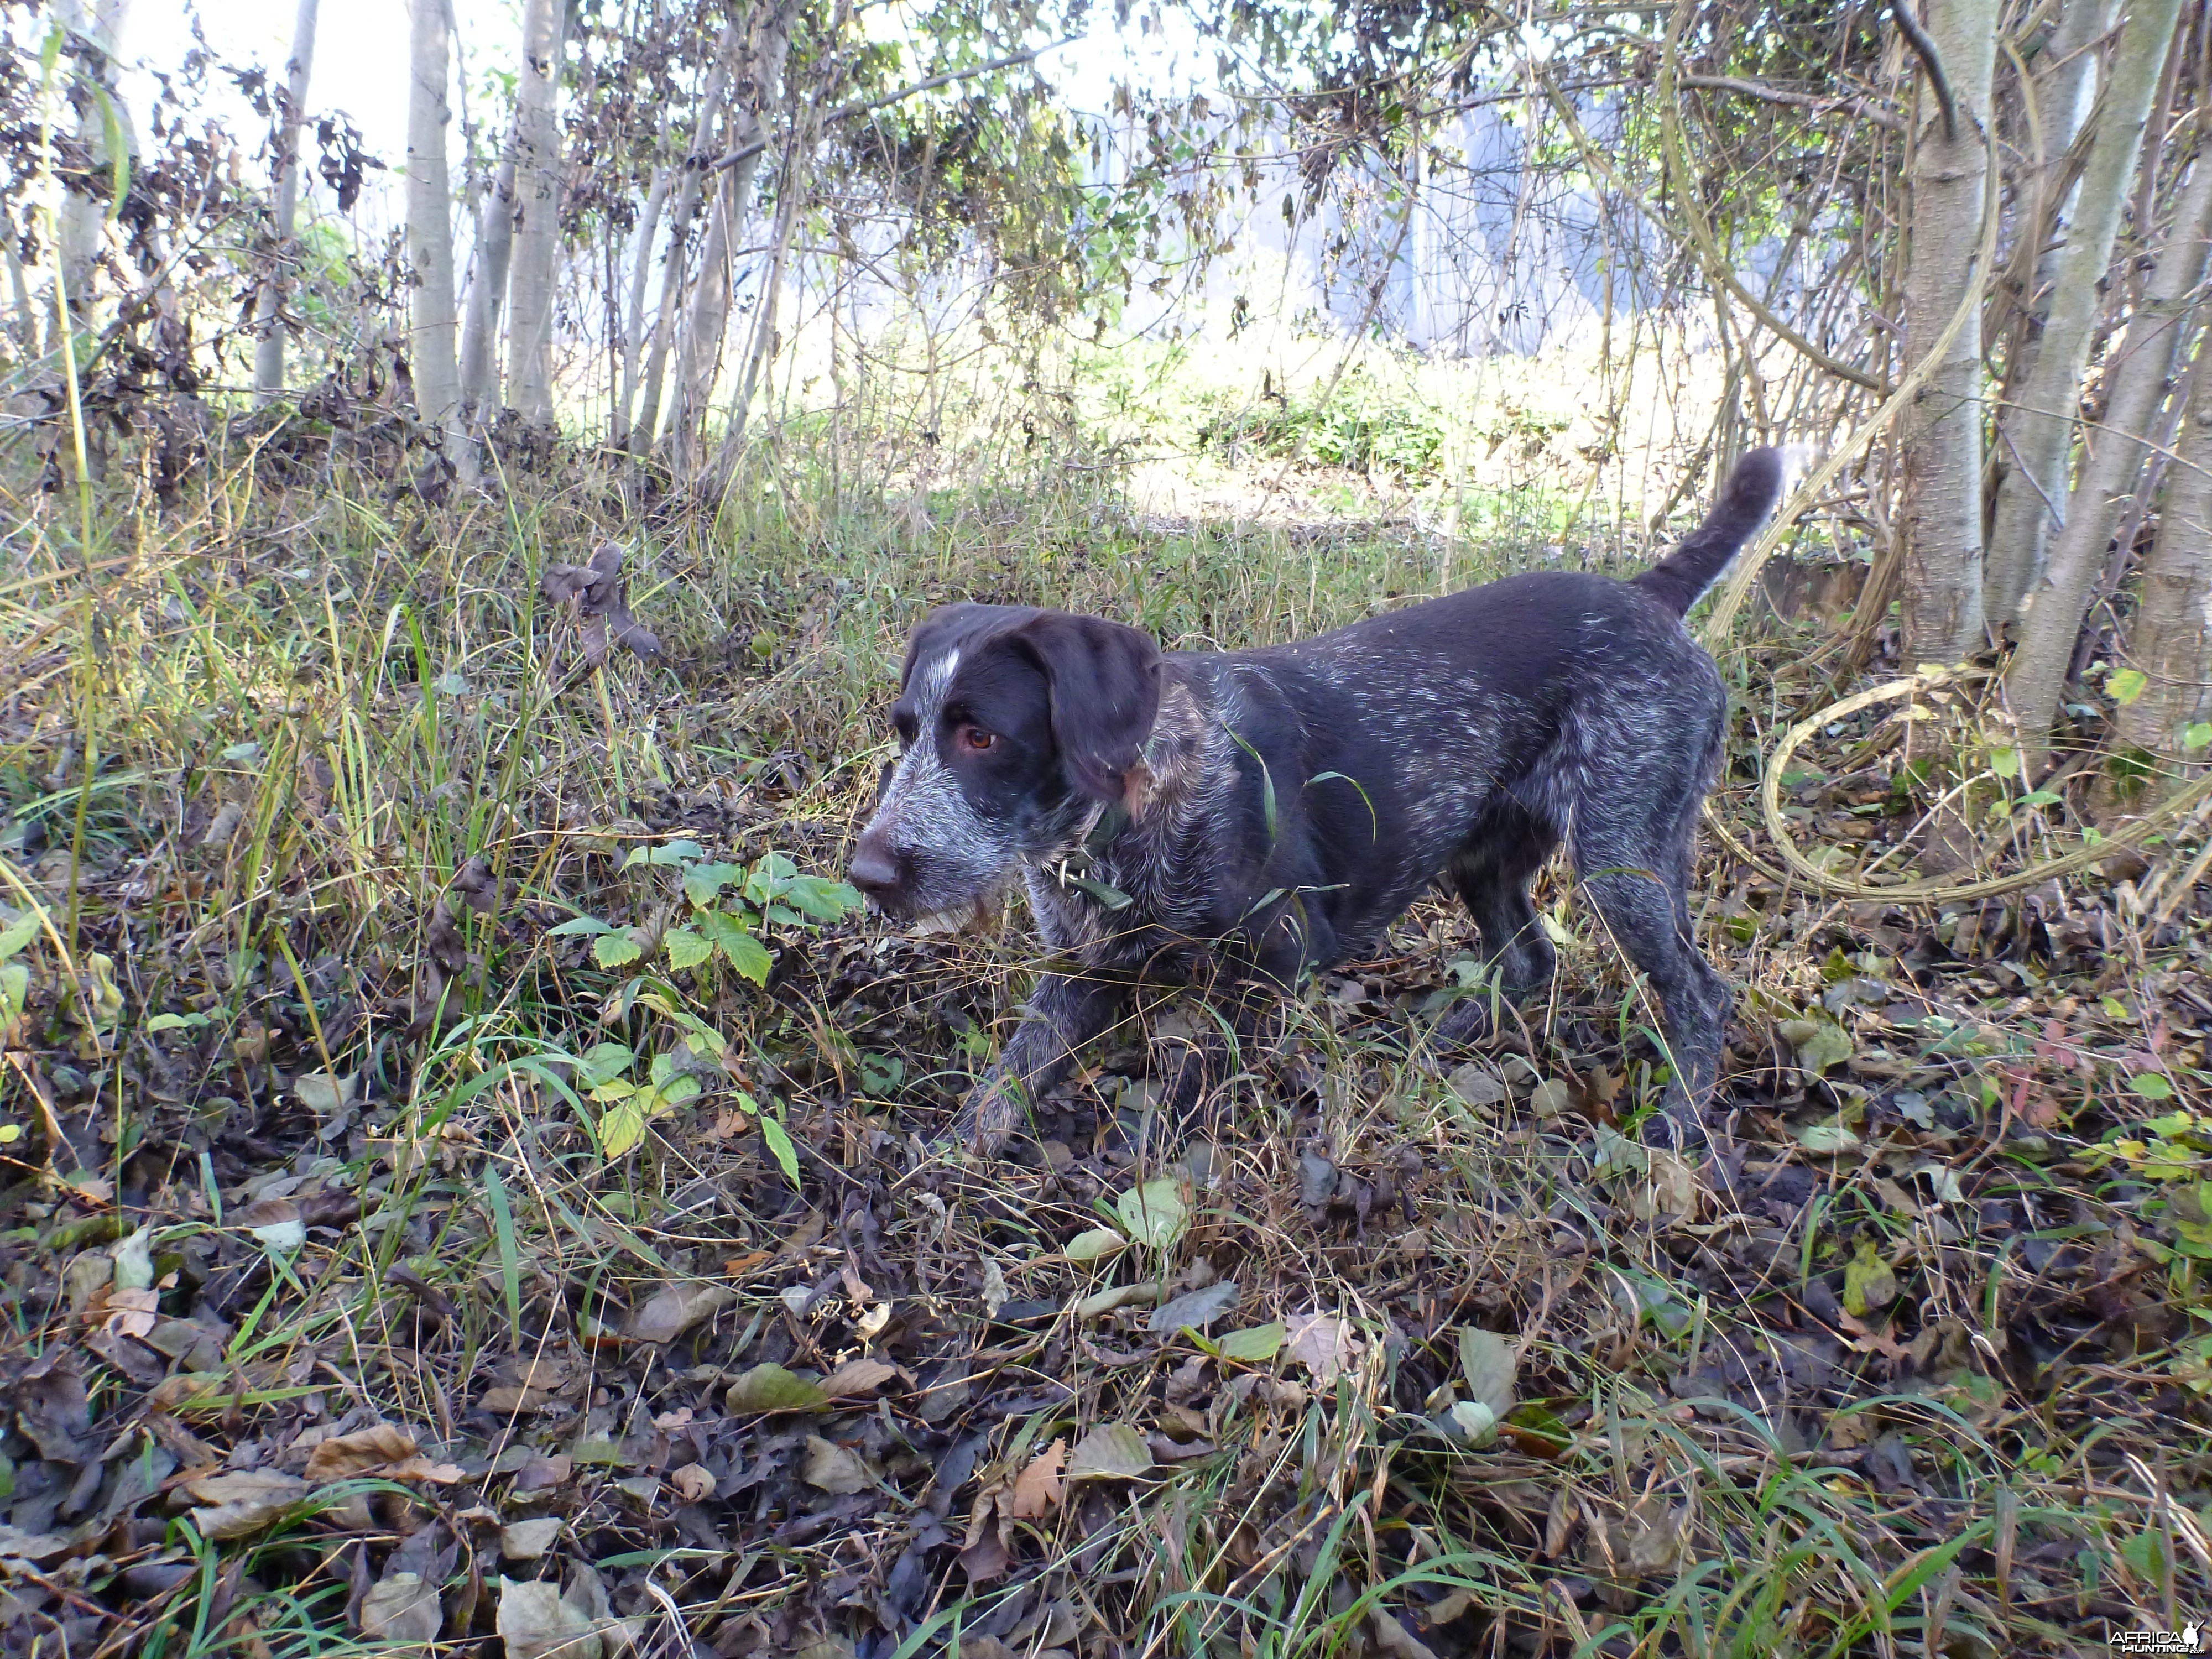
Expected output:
(163, 1022)
(580, 924)
(2151, 1086)
(2195, 735)
(18, 933)
(2128, 685)
(603, 1063)
(510, 1260)
(1867, 1282)
(1153, 1215)
(703, 883)
(1096, 1245)
(779, 1142)
(1256, 1345)
(613, 950)
(821, 898)
(687, 948)
(1831, 1136)
(772, 1389)
(2041, 798)
(14, 990)
(1488, 1361)
(621, 1127)
(675, 853)
(746, 954)
(2005, 763)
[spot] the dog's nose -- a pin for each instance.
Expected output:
(873, 870)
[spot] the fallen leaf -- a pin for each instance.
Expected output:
(1195, 1309)
(133, 1313)
(536, 1622)
(985, 1560)
(345, 1456)
(402, 1610)
(834, 1468)
(323, 1095)
(694, 1483)
(240, 1504)
(1478, 1085)
(525, 1540)
(858, 1377)
(1111, 1451)
(1488, 1361)
(1826, 1137)
(675, 1309)
(1154, 1214)
(1095, 1245)
(1322, 1343)
(1036, 1489)
(1868, 1281)
(509, 1402)
(772, 1389)
(1255, 1346)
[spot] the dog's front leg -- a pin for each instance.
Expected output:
(1065, 1011)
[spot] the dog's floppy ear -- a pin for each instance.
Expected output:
(1105, 682)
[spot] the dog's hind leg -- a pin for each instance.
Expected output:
(1492, 873)
(1636, 881)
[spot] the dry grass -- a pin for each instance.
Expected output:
(1913, 1367)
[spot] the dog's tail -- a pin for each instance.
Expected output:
(1751, 492)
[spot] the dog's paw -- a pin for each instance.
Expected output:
(1466, 1022)
(1675, 1128)
(992, 1112)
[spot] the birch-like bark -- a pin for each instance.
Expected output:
(1942, 427)
(537, 213)
(633, 340)
(430, 221)
(2137, 373)
(756, 81)
(480, 381)
(2171, 640)
(269, 303)
(2038, 428)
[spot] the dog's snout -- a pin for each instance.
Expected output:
(874, 869)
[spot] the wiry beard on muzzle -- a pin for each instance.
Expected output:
(961, 863)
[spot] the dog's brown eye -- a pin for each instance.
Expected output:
(977, 738)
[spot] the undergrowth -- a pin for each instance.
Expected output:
(463, 1141)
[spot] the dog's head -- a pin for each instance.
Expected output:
(1013, 724)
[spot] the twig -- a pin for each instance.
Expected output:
(1930, 60)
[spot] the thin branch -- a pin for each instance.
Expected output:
(1930, 60)
(868, 106)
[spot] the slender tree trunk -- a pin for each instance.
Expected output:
(758, 75)
(632, 338)
(2171, 640)
(2037, 429)
(430, 221)
(269, 303)
(480, 381)
(791, 192)
(1942, 429)
(2136, 374)
(83, 215)
(537, 213)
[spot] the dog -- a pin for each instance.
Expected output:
(1270, 813)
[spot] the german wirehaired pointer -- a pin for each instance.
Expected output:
(1270, 813)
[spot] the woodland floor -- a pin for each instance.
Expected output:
(331, 1322)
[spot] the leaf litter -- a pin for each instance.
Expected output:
(352, 1293)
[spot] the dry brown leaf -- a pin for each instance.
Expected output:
(240, 1504)
(1036, 1490)
(858, 1377)
(537, 1622)
(402, 1610)
(345, 1456)
(694, 1483)
(675, 1309)
(1322, 1343)
(833, 1468)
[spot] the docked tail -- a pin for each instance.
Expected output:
(1751, 492)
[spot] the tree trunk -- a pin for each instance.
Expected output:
(1943, 428)
(83, 215)
(758, 76)
(2038, 428)
(633, 335)
(2135, 375)
(480, 381)
(2171, 640)
(790, 190)
(430, 221)
(536, 214)
(269, 303)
